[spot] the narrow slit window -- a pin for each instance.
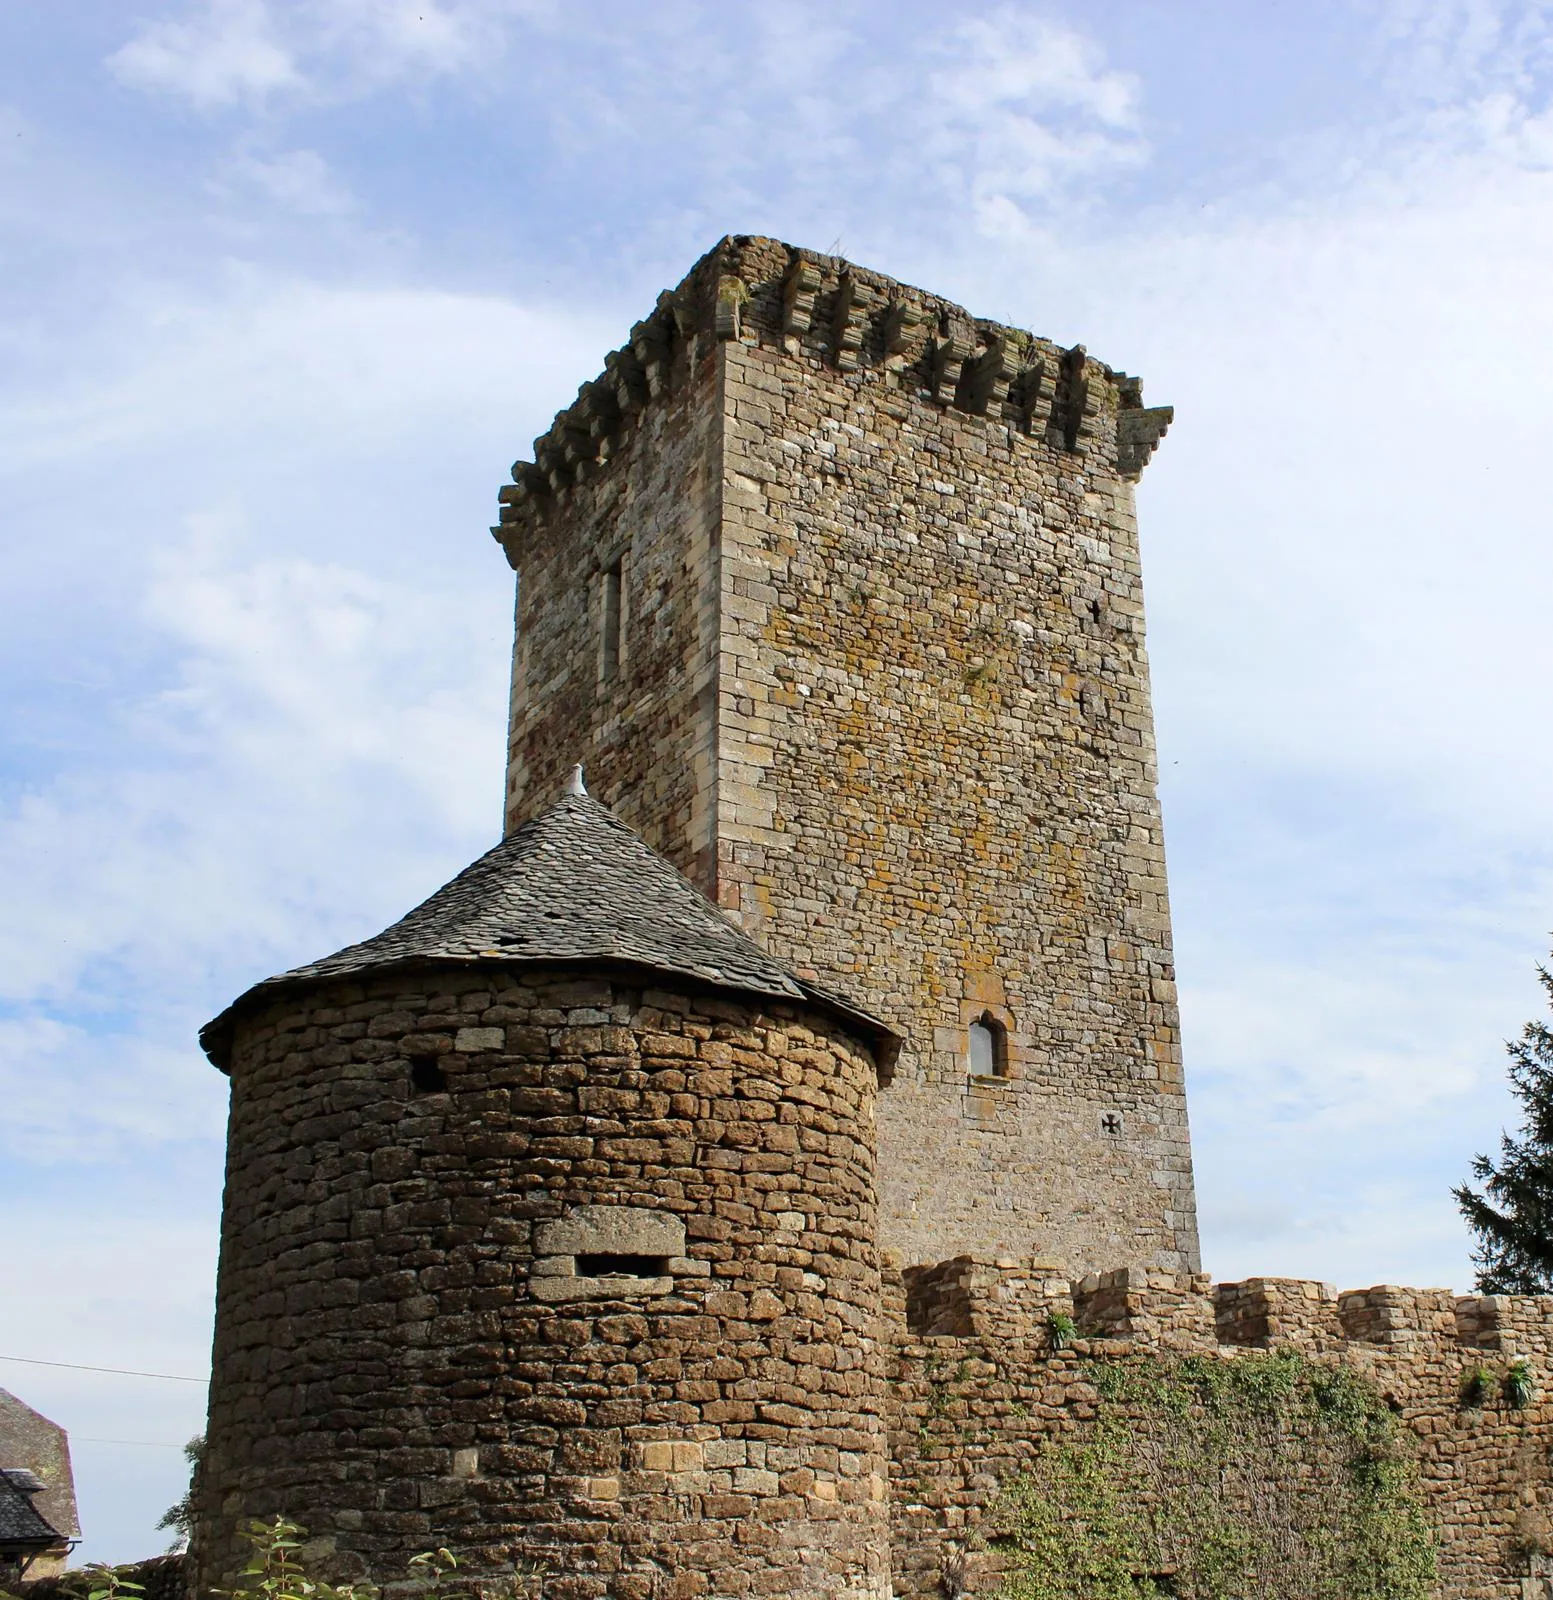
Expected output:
(612, 620)
(610, 1265)
(987, 1049)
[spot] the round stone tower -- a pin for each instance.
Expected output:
(550, 1237)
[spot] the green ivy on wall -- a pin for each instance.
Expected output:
(1216, 1480)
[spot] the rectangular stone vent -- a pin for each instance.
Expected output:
(597, 1252)
(605, 1265)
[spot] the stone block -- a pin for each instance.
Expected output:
(611, 1230)
(471, 1041)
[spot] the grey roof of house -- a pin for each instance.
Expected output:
(30, 1440)
(573, 885)
(20, 1521)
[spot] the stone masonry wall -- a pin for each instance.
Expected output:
(934, 782)
(939, 772)
(972, 1409)
(162, 1577)
(602, 1299)
(637, 464)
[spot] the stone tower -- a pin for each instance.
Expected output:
(549, 1236)
(835, 589)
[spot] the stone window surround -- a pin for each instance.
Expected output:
(612, 581)
(601, 1230)
(1013, 1062)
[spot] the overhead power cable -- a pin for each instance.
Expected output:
(155, 1444)
(118, 1372)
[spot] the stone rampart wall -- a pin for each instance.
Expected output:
(159, 1577)
(978, 1395)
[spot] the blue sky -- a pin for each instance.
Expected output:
(286, 284)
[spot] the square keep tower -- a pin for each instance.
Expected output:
(834, 589)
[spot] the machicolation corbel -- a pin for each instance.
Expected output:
(629, 378)
(985, 377)
(947, 355)
(861, 325)
(652, 343)
(799, 289)
(1072, 408)
(905, 331)
(602, 407)
(1030, 395)
(732, 297)
(1138, 433)
(849, 321)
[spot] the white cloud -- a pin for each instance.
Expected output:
(1016, 60)
(1453, 51)
(391, 37)
(967, 115)
(1023, 109)
(307, 365)
(297, 180)
(316, 717)
(228, 52)
(1340, 1228)
(75, 1095)
(253, 52)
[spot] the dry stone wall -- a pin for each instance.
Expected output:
(933, 773)
(972, 1410)
(164, 1577)
(567, 1274)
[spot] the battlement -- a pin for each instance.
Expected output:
(1287, 1313)
(985, 1383)
(982, 1297)
(1169, 1309)
(834, 314)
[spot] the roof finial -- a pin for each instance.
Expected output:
(574, 784)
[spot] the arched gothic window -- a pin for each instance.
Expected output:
(987, 1048)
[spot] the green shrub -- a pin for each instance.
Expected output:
(1477, 1384)
(1061, 1330)
(1519, 1383)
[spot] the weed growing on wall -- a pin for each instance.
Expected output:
(282, 1566)
(1215, 1480)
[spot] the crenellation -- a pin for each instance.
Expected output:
(979, 1296)
(1268, 1313)
(1514, 1325)
(1147, 1306)
(1387, 1314)
(858, 323)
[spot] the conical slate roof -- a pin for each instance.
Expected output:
(574, 884)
